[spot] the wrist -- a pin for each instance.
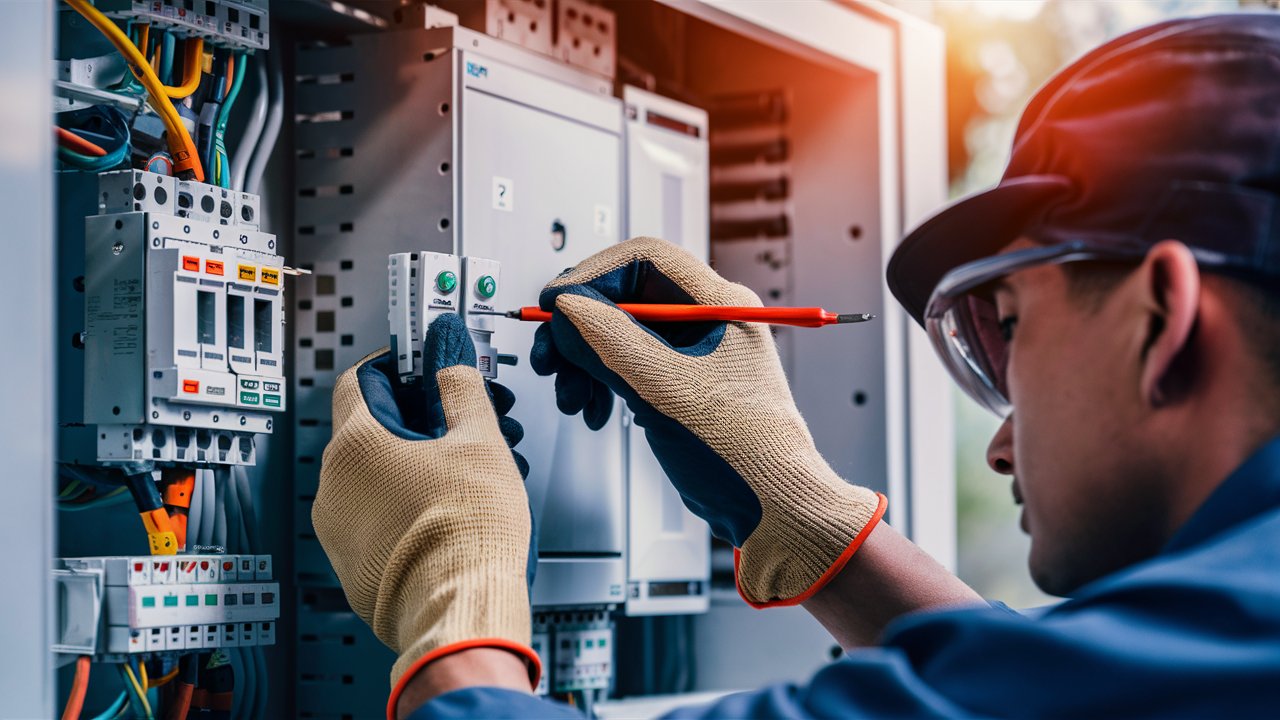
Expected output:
(802, 545)
(482, 665)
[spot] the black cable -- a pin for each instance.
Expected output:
(144, 491)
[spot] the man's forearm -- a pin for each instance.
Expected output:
(886, 578)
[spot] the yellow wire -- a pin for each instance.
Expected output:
(181, 148)
(142, 694)
(69, 489)
(142, 670)
(190, 70)
(164, 679)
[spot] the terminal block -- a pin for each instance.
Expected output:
(227, 23)
(421, 285)
(113, 606)
(578, 649)
(184, 323)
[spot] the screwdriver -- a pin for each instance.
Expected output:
(657, 313)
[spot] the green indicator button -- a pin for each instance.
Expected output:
(210, 599)
(271, 400)
(446, 282)
(171, 601)
(486, 286)
(193, 600)
(248, 398)
(148, 602)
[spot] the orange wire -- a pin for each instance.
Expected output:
(79, 687)
(231, 73)
(72, 141)
(144, 34)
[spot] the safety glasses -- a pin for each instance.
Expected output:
(961, 315)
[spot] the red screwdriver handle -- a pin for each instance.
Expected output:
(797, 316)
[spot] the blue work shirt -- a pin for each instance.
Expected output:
(1192, 632)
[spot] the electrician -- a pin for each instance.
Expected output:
(1116, 297)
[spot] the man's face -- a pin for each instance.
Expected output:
(1075, 441)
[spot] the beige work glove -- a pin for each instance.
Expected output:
(716, 409)
(422, 507)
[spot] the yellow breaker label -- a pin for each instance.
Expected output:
(249, 272)
(270, 276)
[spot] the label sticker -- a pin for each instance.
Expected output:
(270, 386)
(249, 384)
(190, 264)
(249, 272)
(271, 400)
(191, 386)
(270, 276)
(602, 220)
(504, 194)
(213, 267)
(248, 398)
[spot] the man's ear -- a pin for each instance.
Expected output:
(1171, 281)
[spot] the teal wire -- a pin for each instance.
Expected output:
(116, 707)
(224, 113)
(168, 46)
(133, 694)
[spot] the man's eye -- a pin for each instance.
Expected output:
(1006, 327)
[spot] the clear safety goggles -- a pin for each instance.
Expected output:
(963, 325)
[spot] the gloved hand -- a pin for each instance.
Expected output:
(422, 507)
(717, 411)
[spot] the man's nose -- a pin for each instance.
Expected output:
(1000, 451)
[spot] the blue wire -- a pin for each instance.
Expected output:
(168, 46)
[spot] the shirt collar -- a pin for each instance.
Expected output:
(1254, 488)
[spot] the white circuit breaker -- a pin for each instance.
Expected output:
(148, 604)
(184, 322)
(420, 285)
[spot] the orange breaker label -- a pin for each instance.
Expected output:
(249, 272)
(270, 276)
(213, 267)
(190, 264)
(191, 386)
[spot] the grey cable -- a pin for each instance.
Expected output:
(275, 118)
(220, 503)
(248, 515)
(241, 535)
(253, 130)
(260, 707)
(232, 504)
(195, 511)
(236, 659)
(209, 509)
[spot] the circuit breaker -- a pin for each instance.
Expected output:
(115, 606)
(183, 326)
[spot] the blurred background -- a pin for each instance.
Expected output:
(998, 53)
